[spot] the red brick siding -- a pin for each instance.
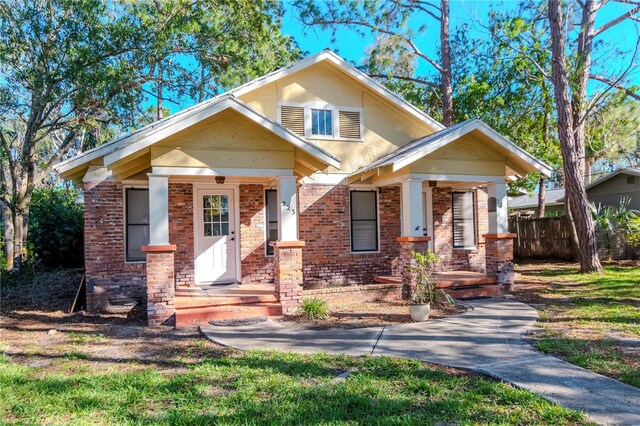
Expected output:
(288, 277)
(105, 265)
(256, 266)
(458, 259)
(324, 226)
(181, 231)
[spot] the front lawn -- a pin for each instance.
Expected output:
(106, 370)
(590, 320)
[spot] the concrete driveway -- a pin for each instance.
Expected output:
(488, 339)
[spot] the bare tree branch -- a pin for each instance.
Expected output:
(406, 78)
(615, 85)
(617, 20)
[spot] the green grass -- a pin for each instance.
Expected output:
(584, 317)
(267, 388)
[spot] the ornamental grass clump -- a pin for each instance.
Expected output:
(314, 309)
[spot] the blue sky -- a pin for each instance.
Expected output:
(351, 45)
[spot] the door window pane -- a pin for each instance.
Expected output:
(364, 221)
(215, 213)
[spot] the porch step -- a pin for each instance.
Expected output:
(206, 301)
(471, 291)
(462, 278)
(202, 315)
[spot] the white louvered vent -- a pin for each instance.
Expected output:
(350, 124)
(292, 117)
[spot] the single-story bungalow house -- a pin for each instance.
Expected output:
(314, 179)
(609, 190)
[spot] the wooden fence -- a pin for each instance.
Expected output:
(545, 238)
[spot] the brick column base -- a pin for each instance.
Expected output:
(161, 286)
(406, 261)
(499, 258)
(288, 274)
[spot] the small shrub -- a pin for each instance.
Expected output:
(314, 308)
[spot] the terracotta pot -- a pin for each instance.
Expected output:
(420, 313)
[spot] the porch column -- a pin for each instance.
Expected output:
(160, 256)
(288, 202)
(412, 215)
(499, 241)
(288, 276)
(158, 209)
(413, 238)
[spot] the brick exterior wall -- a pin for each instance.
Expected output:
(454, 259)
(324, 224)
(181, 231)
(256, 266)
(104, 253)
(104, 237)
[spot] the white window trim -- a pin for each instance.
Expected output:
(129, 185)
(266, 221)
(367, 189)
(475, 220)
(335, 119)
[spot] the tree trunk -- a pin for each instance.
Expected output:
(159, 105)
(587, 171)
(572, 148)
(541, 196)
(7, 226)
(446, 85)
(572, 226)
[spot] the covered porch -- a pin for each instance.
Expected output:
(454, 201)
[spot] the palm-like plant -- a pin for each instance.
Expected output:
(614, 220)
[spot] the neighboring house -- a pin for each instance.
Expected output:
(311, 177)
(608, 190)
(526, 205)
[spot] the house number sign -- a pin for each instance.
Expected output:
(288, 207)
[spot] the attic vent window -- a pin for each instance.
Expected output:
(292, 117)
(631, 180)
(319, 120)
(349, 124)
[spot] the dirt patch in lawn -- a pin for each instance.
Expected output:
(370, 314)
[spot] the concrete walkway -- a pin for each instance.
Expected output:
(488, 339)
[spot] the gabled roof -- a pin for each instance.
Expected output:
(325, 55)
(627, 171)
(421, 147)
(553, 197)
(148, 135)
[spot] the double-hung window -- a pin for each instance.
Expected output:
(464, 224)
(321, 122)
(364, 221)
(136, 223)
(271, 207)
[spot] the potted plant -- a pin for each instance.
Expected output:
(425, 291)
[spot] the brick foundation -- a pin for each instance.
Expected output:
(500, 258)
(288, 274)
(336, 296)
(406, 261)
(161, 286)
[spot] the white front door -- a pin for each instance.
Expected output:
(215, 237)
